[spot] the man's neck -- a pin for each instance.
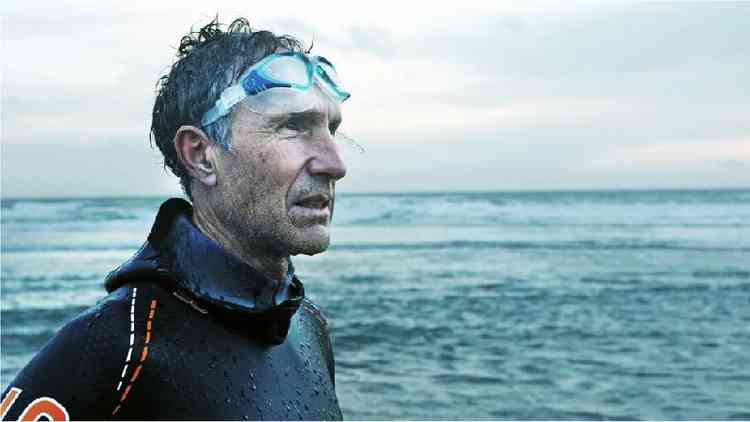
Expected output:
(272, 266)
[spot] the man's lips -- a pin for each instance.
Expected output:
(311, 209)
(316, 201)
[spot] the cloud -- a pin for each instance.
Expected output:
(734, 163)
(470, 96)
(696, 152)
(109, 167)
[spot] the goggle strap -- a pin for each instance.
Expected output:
(229, 98)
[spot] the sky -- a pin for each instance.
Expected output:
(462, 96)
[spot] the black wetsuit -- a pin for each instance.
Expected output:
(187, 332)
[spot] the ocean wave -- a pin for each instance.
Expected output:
(403, 210)
(50, 283)
(368, 278)
(128, 247)
(608, 281)
(722, 274)
(550, 210)
(520, 245)
(36, 299)
(27, 334)
(681, 288)
(472, 379)
(57, 211)
(32, 321)
(51, 276)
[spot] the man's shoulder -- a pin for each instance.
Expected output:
(310, 308)
(111, 315)
(84, 368)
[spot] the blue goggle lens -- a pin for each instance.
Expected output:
(289, 69)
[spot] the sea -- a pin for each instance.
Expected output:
(466, 305)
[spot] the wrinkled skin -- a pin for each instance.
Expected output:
(255, 204)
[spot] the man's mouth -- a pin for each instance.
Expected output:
(317, 201)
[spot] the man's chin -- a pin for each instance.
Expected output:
(314, 241)
(311, 250)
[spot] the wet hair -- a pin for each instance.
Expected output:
(208, 61)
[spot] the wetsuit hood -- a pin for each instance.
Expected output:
(178, 256)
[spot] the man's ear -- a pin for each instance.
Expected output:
(194, 150)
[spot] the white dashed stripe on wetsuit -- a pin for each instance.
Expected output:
(144, 355)
(132, 337)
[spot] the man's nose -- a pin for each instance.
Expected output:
(327, 160)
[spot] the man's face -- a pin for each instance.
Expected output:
(277, 181)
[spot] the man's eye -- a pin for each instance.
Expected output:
(291, 125)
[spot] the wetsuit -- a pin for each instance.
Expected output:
(188, 331)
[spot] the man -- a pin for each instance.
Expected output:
(207, 320)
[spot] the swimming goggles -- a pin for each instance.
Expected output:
(280, 83)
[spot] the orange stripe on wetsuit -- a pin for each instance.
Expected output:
(144, 355)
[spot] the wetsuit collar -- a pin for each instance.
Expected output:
(179, 254)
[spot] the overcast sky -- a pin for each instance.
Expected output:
(455, 97)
